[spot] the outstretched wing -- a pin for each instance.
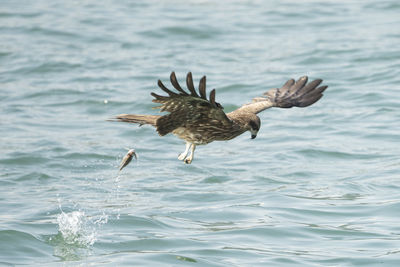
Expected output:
(291, 94)
(188, 108)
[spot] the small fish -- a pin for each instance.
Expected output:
(128, 157)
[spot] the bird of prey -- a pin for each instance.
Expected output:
(200, 120)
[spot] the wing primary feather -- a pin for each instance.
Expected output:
(288, 84)
(165, 89)
(212, 98)
(202, 88)
(158, 98)
(190, 85)
(316, 91)
(310, 87)
(175, 84)
(299, 84)
(307, 101)
(286, 89)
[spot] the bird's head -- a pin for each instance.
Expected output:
(254, 126)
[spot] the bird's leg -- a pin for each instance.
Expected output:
(189, 159)
(183, 155)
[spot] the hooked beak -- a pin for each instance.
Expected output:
(253, 136)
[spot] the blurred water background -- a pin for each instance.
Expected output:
(318, 187)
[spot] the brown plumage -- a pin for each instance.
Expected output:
(199, 120)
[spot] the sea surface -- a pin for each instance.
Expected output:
(319, 186)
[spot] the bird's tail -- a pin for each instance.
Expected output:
(140, 119)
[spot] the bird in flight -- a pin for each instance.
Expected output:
(200, 120)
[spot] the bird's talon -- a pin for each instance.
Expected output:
(182, 156)
(188, 161)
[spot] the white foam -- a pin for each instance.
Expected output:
(79, 229)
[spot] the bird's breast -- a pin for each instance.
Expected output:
(192, 136)
(203, 135)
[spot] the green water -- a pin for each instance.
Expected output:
(319, 186)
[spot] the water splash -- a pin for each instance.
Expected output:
(78, 229)
(77, 232)
(73, 229)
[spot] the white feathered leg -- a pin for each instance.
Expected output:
(189, 159)
(183, 155)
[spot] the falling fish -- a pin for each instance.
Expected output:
(128, 157)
